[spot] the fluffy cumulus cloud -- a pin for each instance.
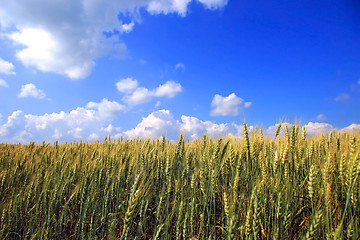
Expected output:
(352, 128)
(139, 95)
(127, 85)
(90, 123)
(194, 128)
(157, 124)
(228, 106)
(162, 123)
(3, 83)
(67, 37)
(13, 130)
(107, 109)
(31, 91)
(6, 67)
(169, 89)
(313, 128)
(59, 43)
(55, 126)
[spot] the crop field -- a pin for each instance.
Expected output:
(280, 187)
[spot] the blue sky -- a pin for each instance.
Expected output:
(87, 69)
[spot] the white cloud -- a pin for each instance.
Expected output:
(3, 83)
(321, 117)
(168, 6)
(127, 27)
(213, 4)
(227, 106)
(169, 89)
(67, 37)
(127, 85)
(352, 128)
(107, 109)
(93, 137)
(180, 66)
(30, 90)
(81, 123)
(140, 95)
(6, 67)
(90, 124)
(44, 51)
(194, 128)
(162, 123)
(13, 129)
(342, 97)
(110, 129)
(157, 124)
(313, 128)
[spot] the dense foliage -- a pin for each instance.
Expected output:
(288, 187)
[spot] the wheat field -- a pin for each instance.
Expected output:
(280, 187)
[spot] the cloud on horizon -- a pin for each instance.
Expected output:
(90, 123)
(95, 122)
